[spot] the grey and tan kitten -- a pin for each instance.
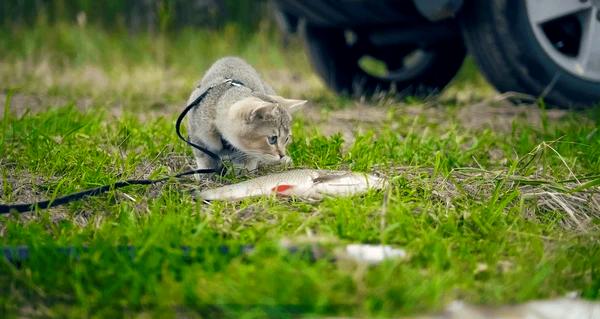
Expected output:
(251, 118)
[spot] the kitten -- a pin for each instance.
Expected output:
(249, 124)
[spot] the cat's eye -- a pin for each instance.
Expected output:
(272, 139)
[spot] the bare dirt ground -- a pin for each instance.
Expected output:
(498, 116)
(479, 108)
(495, 113)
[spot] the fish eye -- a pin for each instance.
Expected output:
(272, 139)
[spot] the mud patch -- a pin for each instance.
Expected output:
(291, 84)
(21, 103)
(499, 114)
(23, 186)
(348, 121)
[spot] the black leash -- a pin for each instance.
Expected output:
(18, 255)
(221, 169)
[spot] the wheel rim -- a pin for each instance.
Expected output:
(569, 32)
(403, 68)
(392, 64)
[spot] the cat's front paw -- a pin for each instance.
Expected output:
(250, 165)
(286, 160)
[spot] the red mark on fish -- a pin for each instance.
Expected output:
(281, 189)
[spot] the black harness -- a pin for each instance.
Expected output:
(221, 169)
(229, 83)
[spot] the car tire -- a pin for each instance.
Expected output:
(501, 35)
(337, 63)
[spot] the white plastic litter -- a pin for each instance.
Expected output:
(373, 254)
(560, 308)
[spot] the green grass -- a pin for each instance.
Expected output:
(490, 247)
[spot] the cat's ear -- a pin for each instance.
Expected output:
(290, 104)
(294, 105)
(260, 112)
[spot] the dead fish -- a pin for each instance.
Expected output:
(303, 183)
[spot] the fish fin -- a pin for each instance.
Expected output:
(281, 189)
(346, 184)
(327, 178)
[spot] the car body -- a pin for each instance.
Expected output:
(548, 49)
